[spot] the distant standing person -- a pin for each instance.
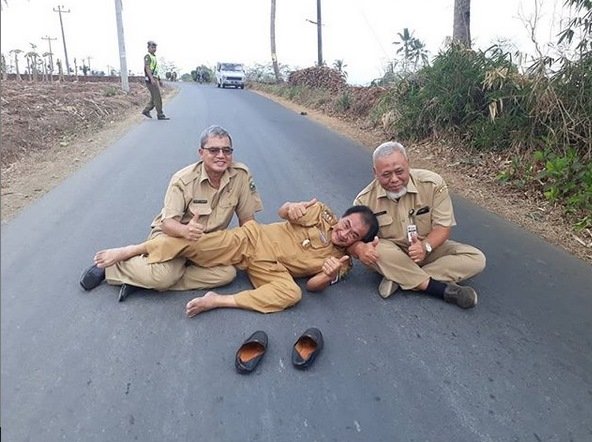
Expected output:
(153, 83)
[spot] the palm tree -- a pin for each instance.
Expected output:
(32, 62)
(412, 50)
(339, 66)
(16, 53)
(274, 62)
(461, 28)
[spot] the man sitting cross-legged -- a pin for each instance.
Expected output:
(311, 242)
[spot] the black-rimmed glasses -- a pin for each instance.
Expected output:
(217, 150)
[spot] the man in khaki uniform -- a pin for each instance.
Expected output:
(418, 258)
(311, 242)
(202, 197)
(153, 83)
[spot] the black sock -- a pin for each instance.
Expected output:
(436, 288)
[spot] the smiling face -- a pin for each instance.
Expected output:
(212, 154)
(392, 172)
(348, 230)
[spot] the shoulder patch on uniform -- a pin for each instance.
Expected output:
(328, 216)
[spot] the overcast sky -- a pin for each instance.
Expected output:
(190, 33)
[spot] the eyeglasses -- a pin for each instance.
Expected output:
(217, 150)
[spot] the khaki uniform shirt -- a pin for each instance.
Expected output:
(302, 246)
(190, 193)
(425, 189)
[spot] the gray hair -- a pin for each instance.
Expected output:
(388, 148)
(213, 131)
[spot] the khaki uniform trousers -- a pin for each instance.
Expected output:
(155, 99)
(172, 275)
(450, 262)
(275, 289)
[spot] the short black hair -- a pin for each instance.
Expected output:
(368, 218)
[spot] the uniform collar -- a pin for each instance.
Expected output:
(226, 176)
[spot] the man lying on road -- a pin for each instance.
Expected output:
(311, 242)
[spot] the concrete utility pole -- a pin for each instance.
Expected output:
(319, 34)
(49, 39)
(59, 11)
(121, 40)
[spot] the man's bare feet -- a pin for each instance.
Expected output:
(209, 301)
(201, 304)
(108, 257)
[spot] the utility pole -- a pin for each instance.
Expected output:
(319, 34)
(49, 39)
(121, 40)
(60, 10)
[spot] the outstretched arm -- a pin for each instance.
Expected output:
(329, 274)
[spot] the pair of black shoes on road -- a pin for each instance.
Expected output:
(93, 276)
(304, 351)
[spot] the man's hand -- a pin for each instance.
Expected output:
(194, 230)
(416, 251)
(332, 266)
(367, 252)
(298, 210)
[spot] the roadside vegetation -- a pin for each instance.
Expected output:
(531, 125)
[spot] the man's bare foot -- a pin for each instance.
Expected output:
(201, 304)
(108, 257)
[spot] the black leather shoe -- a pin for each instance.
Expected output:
(461, 295)
(92, 277)
(251, 352)
(306, 348)
(126, 290)
(163, 117)
(146, 114)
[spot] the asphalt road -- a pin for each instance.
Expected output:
(80, 366)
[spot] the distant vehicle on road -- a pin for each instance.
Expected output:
(230, 74)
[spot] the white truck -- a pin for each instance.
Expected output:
(230, 74)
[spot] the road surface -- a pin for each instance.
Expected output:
(79, 366)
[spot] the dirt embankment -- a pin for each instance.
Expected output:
(50, 129)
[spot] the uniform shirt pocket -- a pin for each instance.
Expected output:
(228, 202)
(424, 224)
(200, 207)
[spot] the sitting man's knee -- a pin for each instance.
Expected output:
(164, 279)
(226, 275)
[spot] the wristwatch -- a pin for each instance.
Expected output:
(428, 247)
